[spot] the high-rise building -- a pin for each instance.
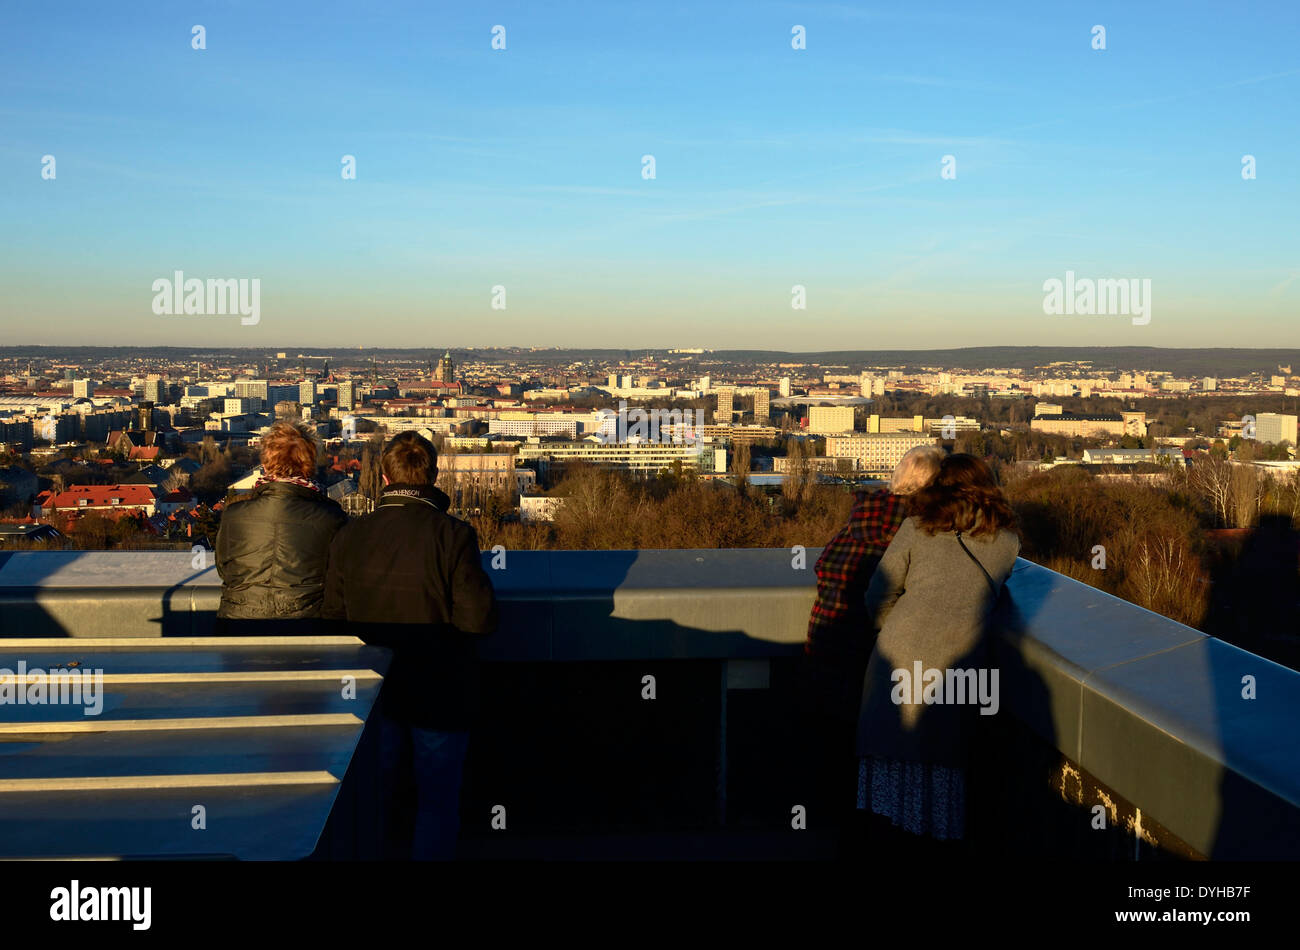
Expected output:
(762, 406)
(784, 387)
(726, 398)
(155, 391)
(307, 392)
(447, 368)
(83, 388)
(1274, 427)
(276, 394)
(347, 394)
(613, 381)
(1209, 384)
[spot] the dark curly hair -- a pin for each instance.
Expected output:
(963, 497)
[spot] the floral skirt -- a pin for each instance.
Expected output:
(918, 797)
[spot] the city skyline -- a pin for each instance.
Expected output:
(522, 168)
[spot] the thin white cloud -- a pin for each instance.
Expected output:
(1247, 81)
(906, 137)
(1278, 289)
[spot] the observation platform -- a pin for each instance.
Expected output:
(637, 704)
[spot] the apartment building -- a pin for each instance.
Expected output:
(875, 452)
(1275, 427)
(1092, 426)
(828, 420)
(640, 458)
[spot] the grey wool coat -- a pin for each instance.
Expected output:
(931, 604)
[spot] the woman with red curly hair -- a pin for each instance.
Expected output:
(930, 599)
(273, 543)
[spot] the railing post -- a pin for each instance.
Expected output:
(722, 744)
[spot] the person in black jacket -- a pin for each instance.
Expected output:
(408, 576)
(273, 543)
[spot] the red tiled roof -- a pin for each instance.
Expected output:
(101, 496)
(145, 452)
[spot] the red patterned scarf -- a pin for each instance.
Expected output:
(292, 480)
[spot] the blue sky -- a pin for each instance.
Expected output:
(774, 167)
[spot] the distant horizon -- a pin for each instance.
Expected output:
(264, 347)
(1185, 362)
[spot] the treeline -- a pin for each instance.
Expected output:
(1137, 541)
(609, 510)
(1214, 546)
(1022, 445)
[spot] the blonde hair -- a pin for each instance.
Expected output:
(916, 469)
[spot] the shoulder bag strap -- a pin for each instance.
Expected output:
(987, 576)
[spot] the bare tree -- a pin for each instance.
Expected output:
(794, 487)
(176, 478)
(740, 465)
(370, 482)
(1211, 476)
(1291, 498)
(1247, 493)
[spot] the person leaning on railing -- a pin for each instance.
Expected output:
(930, 599)
(273, 543)
(838, 640)
(408, 576)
